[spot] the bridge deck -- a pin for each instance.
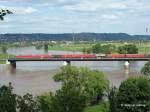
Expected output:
(80, 59)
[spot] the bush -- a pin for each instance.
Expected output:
(106, 49)
(27, 103)
(10, 102)
(128, 49)
(112, 99)
(134, 95)
(90, 83)
(45, 101)
(7, 99)
(146, 69)
(102, 107)
(68, 99)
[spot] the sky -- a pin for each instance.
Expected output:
(68, 16)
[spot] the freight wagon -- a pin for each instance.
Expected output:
(98, 56)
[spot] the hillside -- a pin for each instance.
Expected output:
(69, 37)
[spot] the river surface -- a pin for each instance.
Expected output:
(37, 77)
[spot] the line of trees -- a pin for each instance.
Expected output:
(109, 48)
(128, 49)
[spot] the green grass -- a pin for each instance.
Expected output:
(144, 49)
(71, 47)
(103, 107)
(3, 58)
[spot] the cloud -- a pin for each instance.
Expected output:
(15, 0)
(83, 7)
(116, 6)
(27, 10)
(112, 15)
(20, 10)
(58, 2)
(109, 17)
(96, 6)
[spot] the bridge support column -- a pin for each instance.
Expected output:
(126, 65)
(13, 64)
(7, 62)
(67, 63)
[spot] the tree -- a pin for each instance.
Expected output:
(46, 102)
(7, 99)
(68, 99)
(112, 99)
(4, 49)
(90, 83)
(10, 102)
(146, 69)
(86, 50)
(134, 95)
(80, 86)
(128, 49)
(4, 13)
(106, 49)
(27, 103)
(122, 50)
(97, 48)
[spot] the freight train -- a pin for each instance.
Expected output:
(81, 56)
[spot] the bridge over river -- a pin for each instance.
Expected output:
(13, 61)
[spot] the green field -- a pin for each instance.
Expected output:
(3, 58)
(144, 48)
(70, 47)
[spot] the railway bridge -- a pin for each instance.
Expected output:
(13, 61)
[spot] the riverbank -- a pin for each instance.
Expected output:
(144, 47)
(4, 57)
(70, 47)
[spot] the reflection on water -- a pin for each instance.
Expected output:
(37, 77)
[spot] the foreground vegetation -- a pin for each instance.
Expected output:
(81, 87)
(82, 90)
(102, 107)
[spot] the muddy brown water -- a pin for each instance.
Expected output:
(37, 77)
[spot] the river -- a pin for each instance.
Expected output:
(37, 77)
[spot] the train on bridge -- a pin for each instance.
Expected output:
(82, 56)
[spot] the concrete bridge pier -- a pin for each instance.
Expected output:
(13, 64)
(7, 62)
(126, 65)
(67, 63)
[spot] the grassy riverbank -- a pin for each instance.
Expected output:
(3, 57)
(70, 47)
(144, 47)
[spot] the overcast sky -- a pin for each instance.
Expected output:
(64, 16)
